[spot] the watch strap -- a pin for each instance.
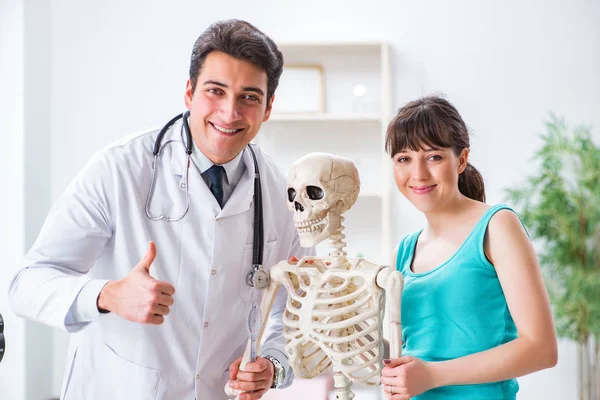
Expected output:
(279, 371)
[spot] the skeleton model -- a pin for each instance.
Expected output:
(334, 311)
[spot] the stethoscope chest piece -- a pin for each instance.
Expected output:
(258, 278)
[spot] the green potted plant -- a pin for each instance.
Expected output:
(560, 205)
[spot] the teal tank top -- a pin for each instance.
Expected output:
(454, 310)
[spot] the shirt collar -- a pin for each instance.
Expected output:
(203, 163)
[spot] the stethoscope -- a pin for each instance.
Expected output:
(258, 277)
(1, 337)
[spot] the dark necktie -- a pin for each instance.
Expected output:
(215, 176)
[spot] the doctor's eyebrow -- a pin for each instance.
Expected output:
(245, 88)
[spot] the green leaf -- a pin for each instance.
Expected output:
(560, 204)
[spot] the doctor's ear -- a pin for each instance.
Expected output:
(268, 109)
(189, 94)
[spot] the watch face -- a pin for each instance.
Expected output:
(279, 372)
(280, 376)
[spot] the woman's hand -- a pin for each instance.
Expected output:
(406, 377)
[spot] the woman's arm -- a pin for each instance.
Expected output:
(511, 252)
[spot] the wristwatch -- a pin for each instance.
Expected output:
(279, 372)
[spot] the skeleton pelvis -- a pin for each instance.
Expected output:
(333, 316)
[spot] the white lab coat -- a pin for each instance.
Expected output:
(98, 230)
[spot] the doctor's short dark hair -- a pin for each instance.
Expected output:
(241, 40)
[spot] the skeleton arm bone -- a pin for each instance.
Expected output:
(266, 305)
(392, 281)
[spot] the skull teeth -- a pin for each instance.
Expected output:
(311, 226)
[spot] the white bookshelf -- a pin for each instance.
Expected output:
(351, 126)
(324, 117)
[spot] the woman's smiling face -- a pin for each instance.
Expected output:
(428, 177)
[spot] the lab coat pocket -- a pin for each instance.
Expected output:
(117, 378)
(247, 292)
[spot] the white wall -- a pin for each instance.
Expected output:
(38, 184)
(118, 69)
(26, 371)
(12, 368)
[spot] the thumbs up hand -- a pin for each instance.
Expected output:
(138, 297)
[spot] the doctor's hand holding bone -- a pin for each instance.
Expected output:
(201, 191)
(255, 380)
(138, 297)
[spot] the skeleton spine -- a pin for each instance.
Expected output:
(338, 244)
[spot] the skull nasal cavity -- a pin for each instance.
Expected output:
(291, 194)
(315, 192)
(298, 206)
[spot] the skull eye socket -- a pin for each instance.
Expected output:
(315, 193)
(291, 194)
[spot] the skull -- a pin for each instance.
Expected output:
(320, 188)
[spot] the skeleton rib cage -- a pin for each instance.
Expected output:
(333, 315)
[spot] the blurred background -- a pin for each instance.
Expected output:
(78, 75)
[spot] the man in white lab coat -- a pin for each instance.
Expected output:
(156, 309)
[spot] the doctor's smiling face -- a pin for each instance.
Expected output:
(227, 104)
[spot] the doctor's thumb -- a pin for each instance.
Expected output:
(148, 259)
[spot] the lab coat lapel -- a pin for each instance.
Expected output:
(242, 197)
(176, 157)
(200, 194)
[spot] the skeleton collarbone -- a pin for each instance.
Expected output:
(333, 315)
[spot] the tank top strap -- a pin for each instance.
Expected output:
(406, 250)
(478, 234)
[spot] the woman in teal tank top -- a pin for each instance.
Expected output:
(475, 312)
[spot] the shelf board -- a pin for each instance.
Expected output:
(331, 44)
(322, 117)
